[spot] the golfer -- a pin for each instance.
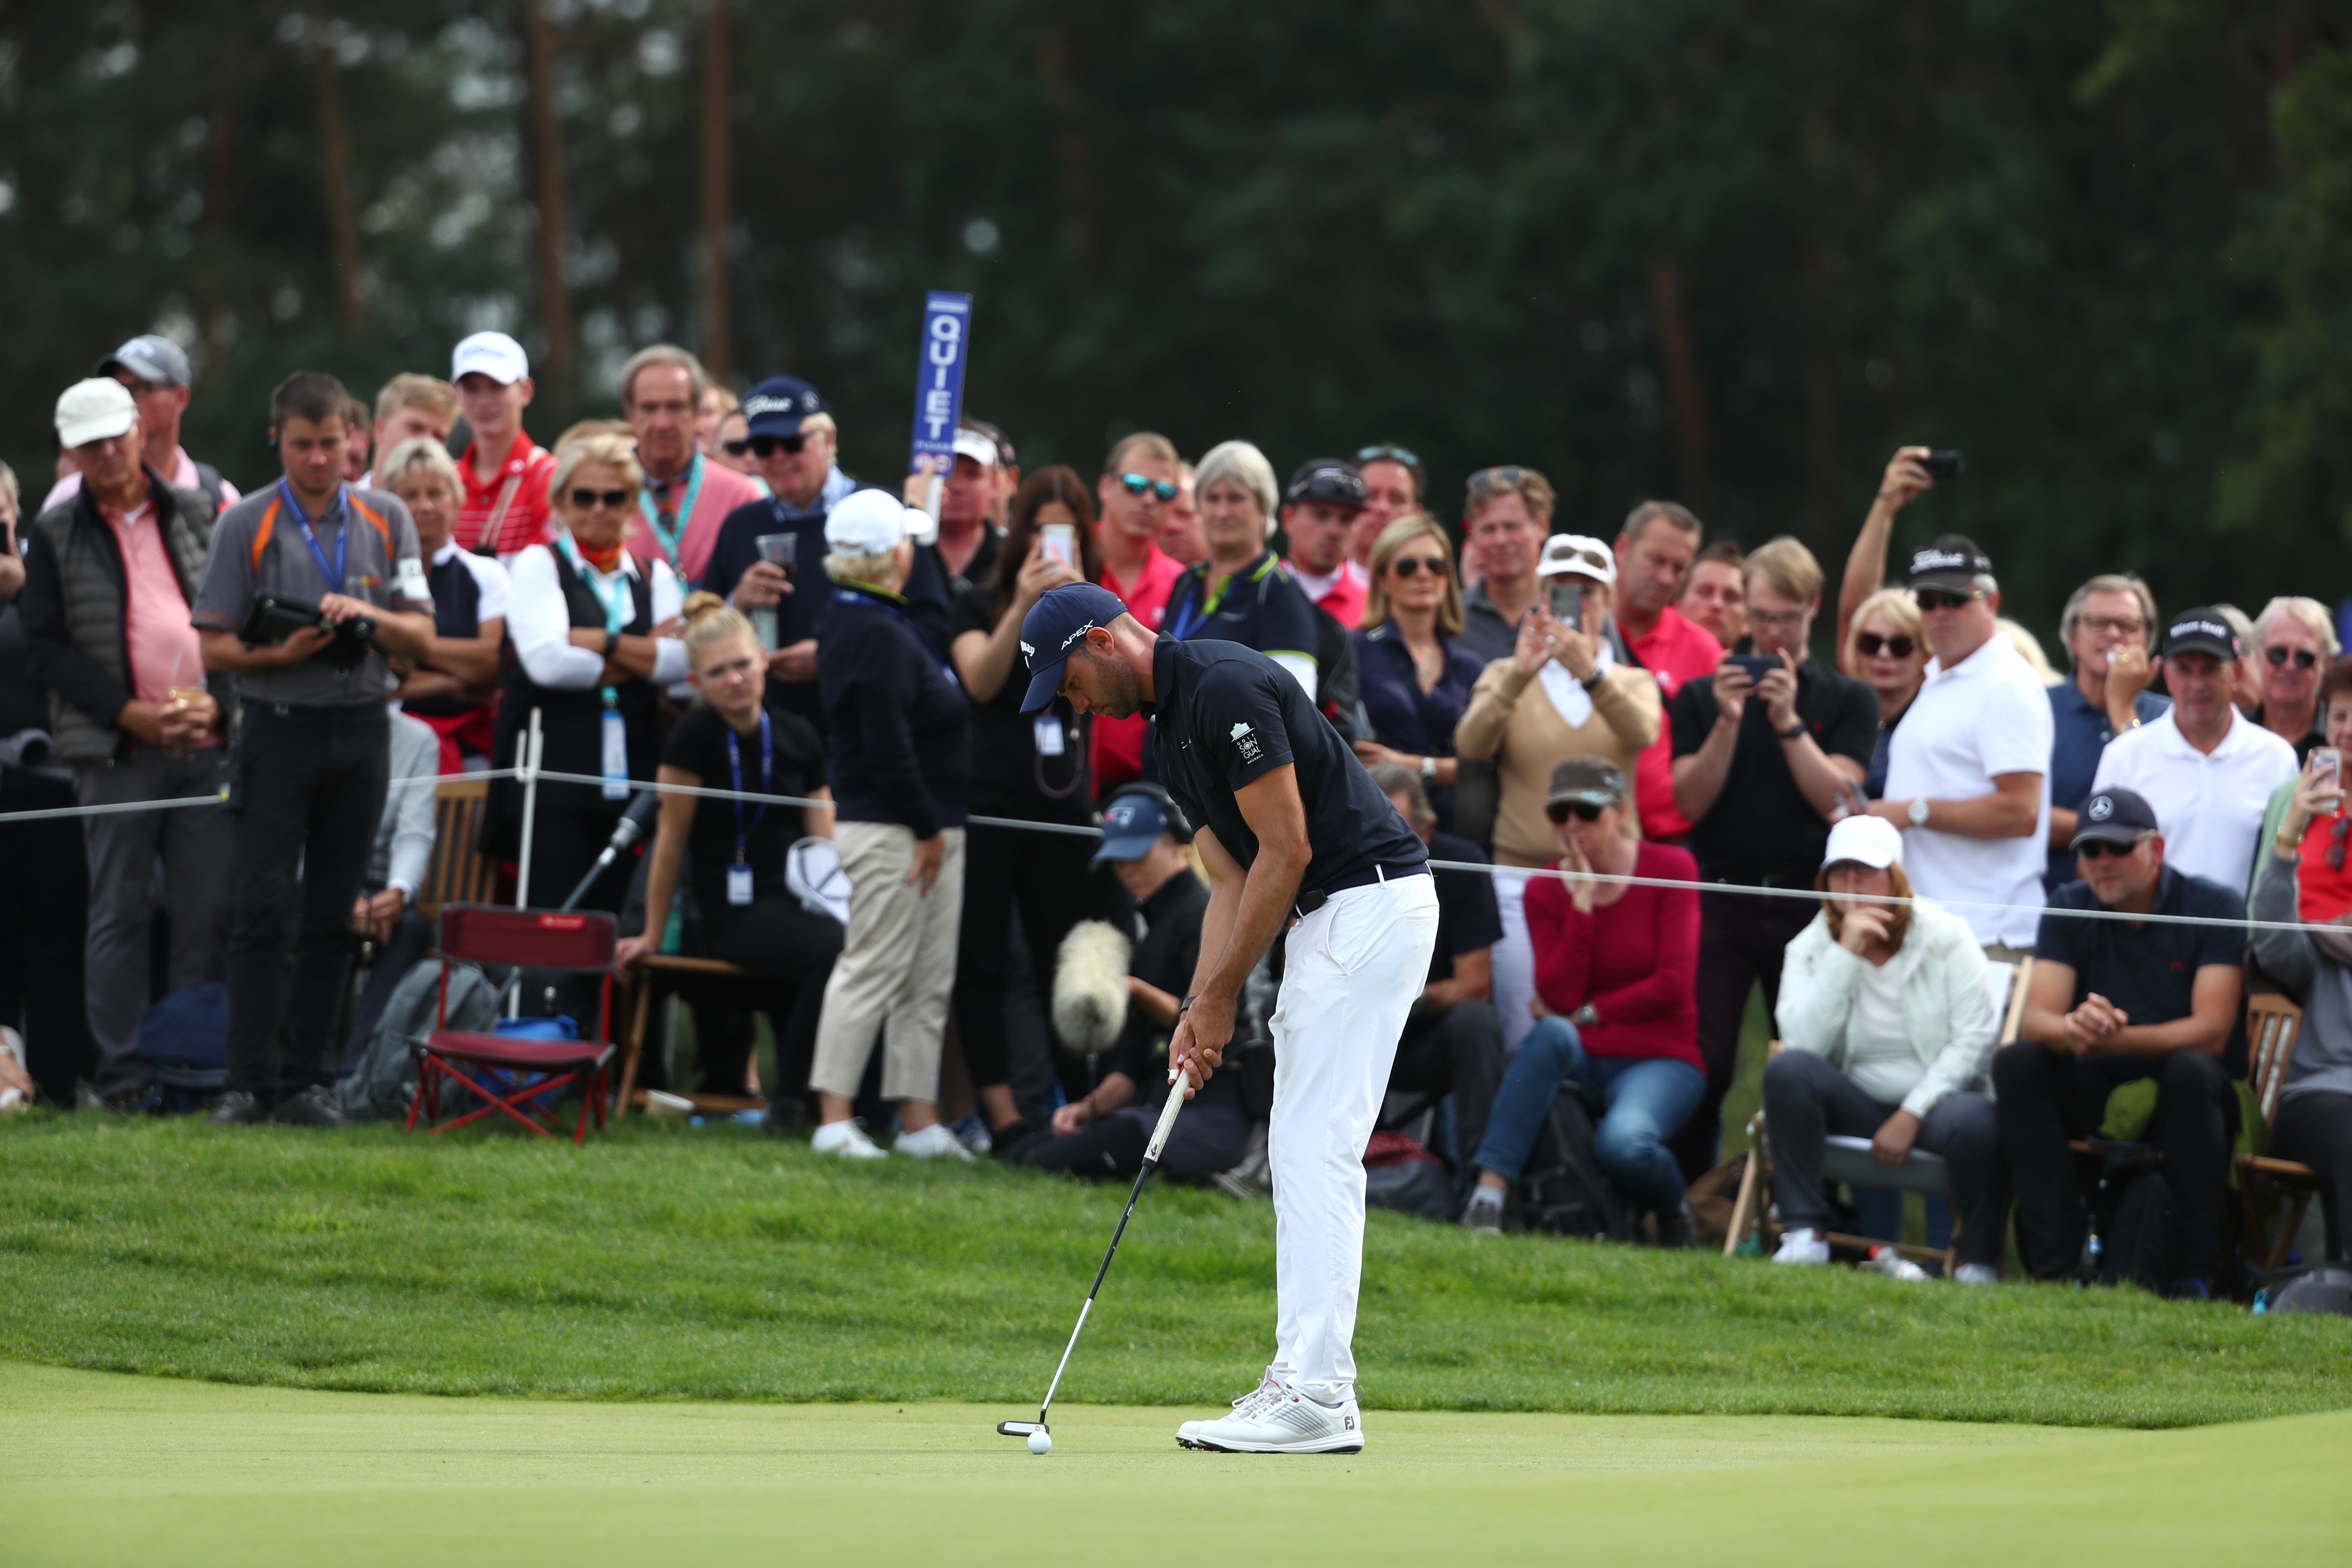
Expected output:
(1293, 832)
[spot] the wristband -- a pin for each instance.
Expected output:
(1591, 682)
(612, 642)
(1792, 733)
(1183, 1006)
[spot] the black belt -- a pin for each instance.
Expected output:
(1309, 902)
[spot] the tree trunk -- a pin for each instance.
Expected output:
(220, 175)
(335, 168)
(1685, 386)
(546, 141)
(717, 187)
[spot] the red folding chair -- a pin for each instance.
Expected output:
(537, 939)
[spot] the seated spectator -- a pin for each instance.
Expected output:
(1715, 593)
(1320, 509)
(1886, 650)
(455, 688)
(1415, 674)
(735, 850)
(1562, 693)
(1966, 775)
(1451, 1042)
(1889, 1026)
(1761, 768)
(1654, 549)
(2112, 1002)
(2110, 629)
(897, 728)
(2306, 880)
(2207, 769)
(2294, 638)
(1105, 1132)
(1241, 593)
(1614, 989)
(404, 836)
(596, 635)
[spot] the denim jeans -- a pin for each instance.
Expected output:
(1648, 1099)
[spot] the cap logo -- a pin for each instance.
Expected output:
(1028, 654)
(1935, 560)
(755, 406)
(2100, 808)
(1075, 636)
(2208, 629)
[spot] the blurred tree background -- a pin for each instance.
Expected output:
(1724, 250)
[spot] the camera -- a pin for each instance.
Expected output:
(1944, 466)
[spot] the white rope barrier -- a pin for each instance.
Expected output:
(178, 802)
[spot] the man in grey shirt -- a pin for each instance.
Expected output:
(310, 751)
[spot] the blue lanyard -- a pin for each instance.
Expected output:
(735, 770)
(334, 573)
(616, 603)
(669, 541)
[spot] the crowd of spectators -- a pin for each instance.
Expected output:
(1649, 799)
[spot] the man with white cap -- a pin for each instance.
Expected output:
(504, 510)
(966, 547)
(155, 369)
(111, 572)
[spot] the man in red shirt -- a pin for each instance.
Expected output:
(1138, 485)
(504, 471)
(1320, 509)
(1655, 550)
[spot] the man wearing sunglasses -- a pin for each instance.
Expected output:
(2298, 643)
(2112, 1002)
(2110, 628)
(2206, 768)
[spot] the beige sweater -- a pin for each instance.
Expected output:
(1510, 719)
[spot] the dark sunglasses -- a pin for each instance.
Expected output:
(734, 448)
(1870, 645)
(1414, 565)
(1937, 599)
(588, 500)
(769, 446)
(2304, 660)
(1382, 452)
(2100, 848)
(2338, 838)
(1137, 484)
(1585, 811)
(1509, 478)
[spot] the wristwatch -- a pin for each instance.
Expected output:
(1591, 682)
(1793, 732)
(611, 641)
(1919, 812)
(1429, 770)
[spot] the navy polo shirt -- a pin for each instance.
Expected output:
(1226, 716)
(1405, 717)
(2148, 970)
(2079, 732)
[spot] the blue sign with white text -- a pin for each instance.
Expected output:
(938, 381)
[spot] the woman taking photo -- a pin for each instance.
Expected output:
(455, 688)
(1416, 678)
(1564, 692)
(1889, 1026)
(1616, 966)
(596, 635)
(1886, 649)
(735, 850)
(897, 726)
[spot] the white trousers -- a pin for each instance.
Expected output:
(1352, 971)
(896, 966)
(1514, 959)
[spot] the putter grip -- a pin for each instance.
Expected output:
(1167, 1118)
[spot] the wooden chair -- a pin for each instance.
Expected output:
(2272, 1024)
(655, 972)
(460, 873)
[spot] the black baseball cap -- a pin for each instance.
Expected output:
(2114, 817)
(1133, 822)
(1334, 481)
(778, 406)
(2200, 630)
(1950, 562)
(1052, 626)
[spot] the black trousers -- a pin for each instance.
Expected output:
(1455, 1051)
(1806, 1099)
(2317, 1129)
(44, 910)
(310, 788)
(1049, 879)
(1741, 941)
(1206, 1139)
(2047, 1096)
(792, 952)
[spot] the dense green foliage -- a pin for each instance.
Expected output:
(671, 1262)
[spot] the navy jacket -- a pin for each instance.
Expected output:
(896, 722)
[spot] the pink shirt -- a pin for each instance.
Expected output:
(163, 648)
(1117, 745)
(723, 490)
(1676, 649)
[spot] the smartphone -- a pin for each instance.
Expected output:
(1061, 541)
(1944, 466)
(1757, 664)
(780, 549)
(1568, 604)
(2327, 773)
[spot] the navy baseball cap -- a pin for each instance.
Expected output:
(1132, 823)
(2114, 817)
(1052, 626)
(778, 404)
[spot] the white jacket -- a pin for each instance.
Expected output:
(1945, 1001)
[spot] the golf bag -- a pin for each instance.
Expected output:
(1563, 1190)
(383, 1080)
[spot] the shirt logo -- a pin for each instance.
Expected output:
(1245, 742)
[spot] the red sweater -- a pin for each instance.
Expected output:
(1636, 960)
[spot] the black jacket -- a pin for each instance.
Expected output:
(896, 723)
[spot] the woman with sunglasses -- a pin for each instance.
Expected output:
(1886, 648)
(1616, 973)
(596, 635)
(1416, 678)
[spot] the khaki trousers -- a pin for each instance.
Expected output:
(896, 966)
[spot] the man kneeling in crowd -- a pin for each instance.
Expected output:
(2116, 1000)
(1104, 1133)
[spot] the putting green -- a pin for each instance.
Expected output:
(102, 1468)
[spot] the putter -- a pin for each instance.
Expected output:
(1150, 1158)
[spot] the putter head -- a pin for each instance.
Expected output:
(1022, 1428)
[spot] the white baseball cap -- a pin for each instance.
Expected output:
(873, 522)
(1580, 553)
(95, 410)
(1871, 841)
(494, 355)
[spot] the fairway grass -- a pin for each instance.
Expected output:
(104, 1469)
(676, 1263)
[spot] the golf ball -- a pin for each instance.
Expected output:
(1039, 1443)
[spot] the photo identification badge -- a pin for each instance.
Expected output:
(1050, 741)
(616, 755)
(738, 883)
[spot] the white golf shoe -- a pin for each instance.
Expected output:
(848, 1140)
(1803, 1246)
(1277, 1419)
(933, 1142)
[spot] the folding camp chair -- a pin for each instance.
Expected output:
(537, 939)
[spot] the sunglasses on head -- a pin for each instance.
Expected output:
(1414, 565)
(1870, 645)
(1382, 452)
(769, 446)
(1585, 811)
(1937, 599)
(1137, 484)
(588, 500)
(2303, 658)
(2100, 848)
(1509, 478)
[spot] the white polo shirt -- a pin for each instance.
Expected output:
(2209, 806)
(1986, 716)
